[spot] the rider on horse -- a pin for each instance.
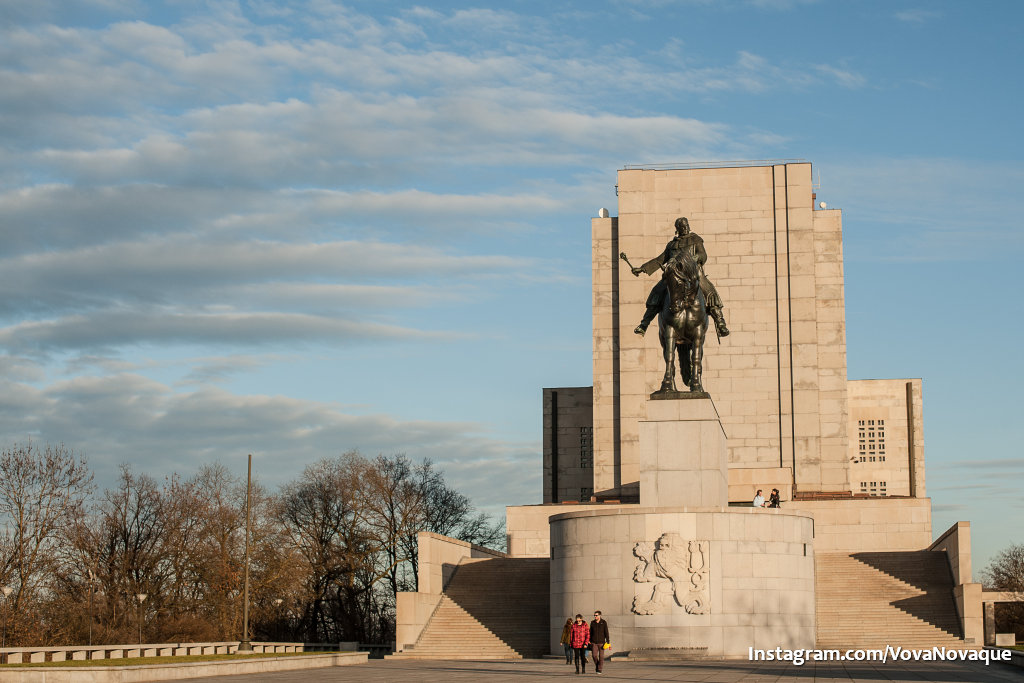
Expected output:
(694, 244)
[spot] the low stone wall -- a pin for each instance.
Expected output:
(955, 542)
(867, 524)
(526, 526)
(25, 655)
(756, 567)
(176, 671)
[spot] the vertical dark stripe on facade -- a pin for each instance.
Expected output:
(554, 446)
(778, 332)
(789, 319)
(616, 390)
(910, 440)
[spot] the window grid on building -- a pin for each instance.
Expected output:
(874, 488)
(586, 447)
(871, 440)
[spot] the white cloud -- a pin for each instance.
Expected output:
(844, 77)
(133, 326)
(129, 418)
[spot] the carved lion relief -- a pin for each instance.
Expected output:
(678, 569)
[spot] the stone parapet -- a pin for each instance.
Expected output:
(868, 524)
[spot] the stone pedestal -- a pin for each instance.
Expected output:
(683, 456)
(754, 577)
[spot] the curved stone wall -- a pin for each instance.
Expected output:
(724, 579)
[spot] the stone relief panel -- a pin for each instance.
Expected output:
(679, 570)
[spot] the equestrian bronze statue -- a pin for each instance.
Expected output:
(682, 300)
(693, 244)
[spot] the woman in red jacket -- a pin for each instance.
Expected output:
(579, 638)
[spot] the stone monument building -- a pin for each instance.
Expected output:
(646, 511)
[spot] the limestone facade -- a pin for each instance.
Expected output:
(886, 437)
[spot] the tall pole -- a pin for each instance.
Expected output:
(7, 590)
(141, 597)
(245, 645)
(91, 581)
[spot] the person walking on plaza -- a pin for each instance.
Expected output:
(565, 640)
(579, 638)
(600, 640)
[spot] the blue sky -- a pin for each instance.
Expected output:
(295, 228)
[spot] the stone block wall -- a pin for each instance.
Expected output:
(779, 380)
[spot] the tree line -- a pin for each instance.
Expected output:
(328, 551)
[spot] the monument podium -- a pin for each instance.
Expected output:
(683, 571)
(683, 455)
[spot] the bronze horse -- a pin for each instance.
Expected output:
(682, 323)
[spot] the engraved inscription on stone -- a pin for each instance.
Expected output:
(679, 570)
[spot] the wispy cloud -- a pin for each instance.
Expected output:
(918, 16)
(923, 205)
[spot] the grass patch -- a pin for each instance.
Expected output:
(140, 661)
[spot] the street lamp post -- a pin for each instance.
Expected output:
(245, 645)
(7, 590)
(277, 604)
(92, 579)
(141, 597)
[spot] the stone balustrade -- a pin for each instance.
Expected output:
(24, 655)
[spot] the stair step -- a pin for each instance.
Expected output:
(469, 623)
(874, 599)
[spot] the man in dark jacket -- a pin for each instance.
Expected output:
(598, 637)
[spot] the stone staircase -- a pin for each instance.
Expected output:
(492, 608)
(870, 600)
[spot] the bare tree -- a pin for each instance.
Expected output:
(447, 512)
(41, 493)
(394, 509)
(322, 515)
(328, 554)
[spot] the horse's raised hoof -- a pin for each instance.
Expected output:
(640, 329)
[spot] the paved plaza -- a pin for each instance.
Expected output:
(411, 671)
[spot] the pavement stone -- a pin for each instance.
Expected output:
(707, 671)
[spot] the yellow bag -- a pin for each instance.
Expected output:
(607, 646)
